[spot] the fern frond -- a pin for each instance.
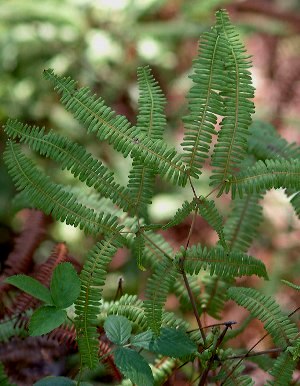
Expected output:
(295, 201)
(151, 120)
(186, 208)
(234, 378)
(156, 248)
(209, 212)
(292, 285)
(157, 289)
(282, 370)
(277, 173)
(162, 369)
(278, 325)
(231, 146)
(204, 101)
(265, 143)
(52, 198)
(242, 224)
(73, 157)
(101, 120)
(220, 262)
(87, 306)
(138, 250)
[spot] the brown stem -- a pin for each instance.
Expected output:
(254, 354)
(212, 358)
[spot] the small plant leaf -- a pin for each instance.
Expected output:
(118, 329)
(31, 286)
(55, 381)
(65, 285)
(173, 343)
(46, 319)
(142, 340)
(133, 366)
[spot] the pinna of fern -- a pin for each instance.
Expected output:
(98, 118)
(151, 120)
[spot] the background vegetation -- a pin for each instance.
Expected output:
(101, 43)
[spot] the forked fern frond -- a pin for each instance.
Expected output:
(204, 101)
(73, 157)
(282, 370)
(157, 289)
(277, 173)
(52, 198)
(231, 146)
(241, 226)
(87, 306)
(101, 120)
(263, 307)
(220, 262)
(151, 120)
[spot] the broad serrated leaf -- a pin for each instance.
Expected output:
(142, 340)
(118, 329)
(174, 343)
(65, 285)
(46, 319)
(31, 286)
(133, 366)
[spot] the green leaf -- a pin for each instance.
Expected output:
(46, 319)
(118, 329)
(65, 285)
(55, 381)
(173, 343)
(142, 340)
(133, 366)
(31, 286)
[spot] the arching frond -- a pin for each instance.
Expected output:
(204, 101)
(220, 262)
(87, 306)
(277, 173)
(231, 146)
(151, 120)
(278, 325)
(241, 226)
(52, 198)
(265, 143)
(282, 370)
(157, 289)
(138, 250)
(101, 120)
(73, 157)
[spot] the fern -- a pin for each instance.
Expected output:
(278, 173)
(156, 293)
(92, 278)
(265, 143)
(73, 157)
(220, 262)
(281, 329)
(234, 378)
(242, 223)
(295, 201)
(151, 121)
(181, 214)
(204, 101)
(100, 119)
(231, 146)
(282, 370)
(138, 250)
(52, 198)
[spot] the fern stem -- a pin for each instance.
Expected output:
(192, 299)
(254, 354)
